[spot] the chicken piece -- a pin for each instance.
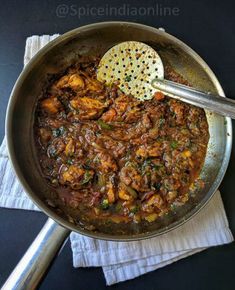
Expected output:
(117, 148)
(127, 109)
(121, 104)
(131, 177)
(141, 152)
(179, 110)
(55, 148)
(53, 123)
(51, 105)
(151, 217)
(88, 108)
(172, 183)
(156, 112)
(132, 115)
(147, 137)
(146, 121)
(146, 151)
(110, 193)
(183, 198)
(93, 84)
(76, 177)
(107, 163)
(87, 103)
(186, 153)
(109, 116)
(73, 174)
(153, 151)
(154, 202)
(45, 135)
(159, 96)
(74, 81)
(171, 196)
(127, 192)
(123, 194)
(70, 148)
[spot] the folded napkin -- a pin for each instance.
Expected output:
(124, 260)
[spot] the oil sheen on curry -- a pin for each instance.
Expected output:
(111, 158)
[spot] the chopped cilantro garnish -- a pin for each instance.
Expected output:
(174, 144)
(104, 204)
(157, 167)
(134, 209)
(127, 78)
(104, 125)
(58, 131)
(157, 186)
(86, 178)
(52, 151)
(70, 161)
(118, 207)
(161, 122)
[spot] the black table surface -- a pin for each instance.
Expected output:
(206, 26)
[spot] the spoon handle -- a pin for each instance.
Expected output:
(215, 103)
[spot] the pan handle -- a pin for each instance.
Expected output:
(35, 262)
(215, 103)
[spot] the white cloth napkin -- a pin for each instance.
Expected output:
(124, 260)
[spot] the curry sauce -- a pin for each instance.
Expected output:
(112, 157)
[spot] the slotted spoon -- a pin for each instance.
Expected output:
(139, 71)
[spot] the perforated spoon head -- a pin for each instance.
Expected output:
(133, 65)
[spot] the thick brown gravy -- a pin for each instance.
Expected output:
(111, 157)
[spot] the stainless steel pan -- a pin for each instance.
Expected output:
(54, 57)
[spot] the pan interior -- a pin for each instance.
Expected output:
(96, 40)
